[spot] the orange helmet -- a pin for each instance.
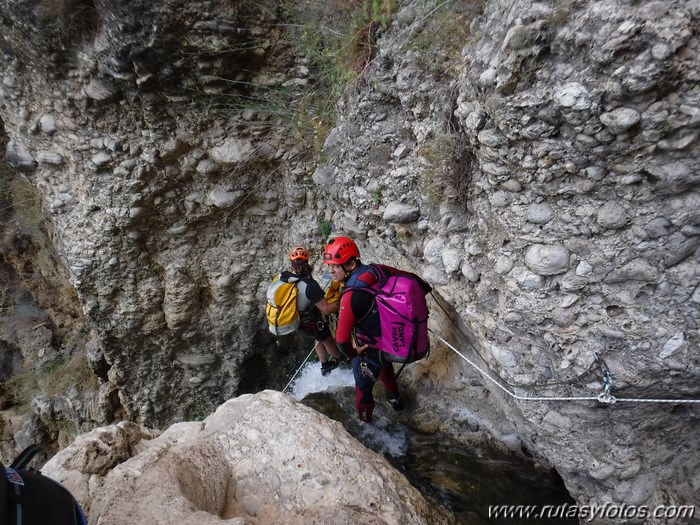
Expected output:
(340, 250)
(298, 253)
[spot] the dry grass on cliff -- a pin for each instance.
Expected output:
(52, 378)
(333, 42)
(337, 40)
(40, 316)
(20, 206)
(436, 46)
(446, 169)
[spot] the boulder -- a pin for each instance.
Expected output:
(263, 458)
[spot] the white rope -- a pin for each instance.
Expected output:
(618, 399)
(523, 398)
(605, 397)
(300, 367)
(325, 287)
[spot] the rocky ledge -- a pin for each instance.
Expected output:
(263, 459)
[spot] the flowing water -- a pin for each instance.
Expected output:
(465, 481)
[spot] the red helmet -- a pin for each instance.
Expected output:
(340, 250)
(298, 253)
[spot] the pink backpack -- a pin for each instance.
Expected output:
(403, 314)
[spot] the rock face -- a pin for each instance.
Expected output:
(161, 214)
(564, 233)
(263, 459)
(536, 162)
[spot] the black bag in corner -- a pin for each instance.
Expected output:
(29, 498)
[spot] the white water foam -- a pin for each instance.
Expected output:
(383, 437)
(310, 380)
(384, 440)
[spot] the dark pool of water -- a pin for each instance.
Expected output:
(468, 481)
(465, 481)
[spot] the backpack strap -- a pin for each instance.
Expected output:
(11, 473)
(380, 276)
(380, 273)
(26, 456)
(290, 279)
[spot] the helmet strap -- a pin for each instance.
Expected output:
(347, 270)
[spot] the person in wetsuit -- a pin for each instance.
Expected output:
(358, 315)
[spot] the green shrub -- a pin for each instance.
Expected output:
(325, 228)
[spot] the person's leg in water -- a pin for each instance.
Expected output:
(388, 378)
(365, 377)
(326, 347)
(325, 356)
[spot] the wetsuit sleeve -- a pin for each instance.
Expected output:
(346, 322)
(313, 291)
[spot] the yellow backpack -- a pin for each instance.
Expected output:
(333, 291)
(281, 310)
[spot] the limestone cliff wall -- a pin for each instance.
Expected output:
(163, 199)
(535, 161)
(564, 232)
